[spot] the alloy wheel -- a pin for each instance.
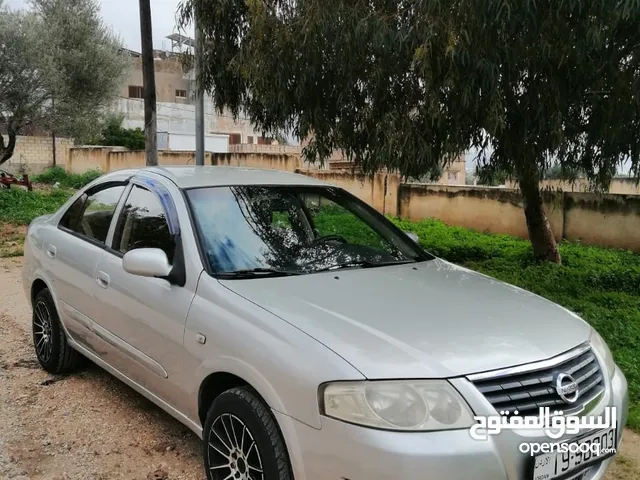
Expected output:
(42, 332)
(232, 450)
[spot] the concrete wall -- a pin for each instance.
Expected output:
(107, 159)
(34, 154)
(486, 209)
(255, 148)
(283, 162)
(187, 142)
(606, 220)
(380, 190)
(620, 185)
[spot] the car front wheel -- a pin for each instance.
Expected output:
(242, 440)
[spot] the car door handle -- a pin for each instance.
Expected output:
(103, 279)
(51, 251)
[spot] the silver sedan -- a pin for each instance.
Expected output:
(302, 335)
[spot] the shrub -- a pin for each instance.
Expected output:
(59, 175)
(113, 134)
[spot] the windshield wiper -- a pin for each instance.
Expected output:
(255, 273)
(364, 264)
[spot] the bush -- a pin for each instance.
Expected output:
(54, 175)
(114, 135)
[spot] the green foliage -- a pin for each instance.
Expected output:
(403, 85)
(20, 207)
(59, 175)
(410, 86)
(113, 134)
(60, 68)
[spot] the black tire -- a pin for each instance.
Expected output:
(50, 343)
(261, 443)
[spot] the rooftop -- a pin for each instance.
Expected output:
(210, 176)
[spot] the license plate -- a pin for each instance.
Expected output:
(575, 455)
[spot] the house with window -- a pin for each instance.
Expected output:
(175, 96)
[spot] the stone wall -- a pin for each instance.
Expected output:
(34, 154)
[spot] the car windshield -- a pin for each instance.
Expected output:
(250, 231)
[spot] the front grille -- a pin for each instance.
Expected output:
(528, 390)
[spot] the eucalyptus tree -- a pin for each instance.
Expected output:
(409, 85)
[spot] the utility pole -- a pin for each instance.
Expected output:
(148, 85)
(199, 94)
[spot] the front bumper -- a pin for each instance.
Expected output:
(339, 451)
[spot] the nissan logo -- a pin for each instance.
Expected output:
(567, 388)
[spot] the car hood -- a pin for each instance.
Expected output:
(426, 320)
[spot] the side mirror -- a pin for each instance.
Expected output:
(147, 262)
(413, 236)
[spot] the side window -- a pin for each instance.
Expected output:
(143, 224)
(71, 219)
(92, 217)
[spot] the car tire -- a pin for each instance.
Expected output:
(242, 440)
(49, 340)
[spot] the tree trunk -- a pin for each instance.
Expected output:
(149, 84)
(542, 239)
(6, 151)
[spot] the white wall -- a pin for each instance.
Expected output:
(181, 118)
(186, 142)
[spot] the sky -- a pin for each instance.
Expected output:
(122, 16)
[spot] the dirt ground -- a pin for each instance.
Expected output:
(91, 426)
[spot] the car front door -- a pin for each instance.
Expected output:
(73, 250)
(144, 317)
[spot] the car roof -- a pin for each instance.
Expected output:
(192, 176)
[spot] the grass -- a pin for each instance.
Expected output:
(19, 207)
(54, 175)
(11, 240)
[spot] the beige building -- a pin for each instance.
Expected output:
(175, 94)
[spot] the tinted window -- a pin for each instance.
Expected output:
(143, 224)
(71, 219)
(97, 213)
(293, 230)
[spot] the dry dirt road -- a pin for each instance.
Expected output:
(91, 426)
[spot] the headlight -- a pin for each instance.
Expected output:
(419, 405)
(602, 349)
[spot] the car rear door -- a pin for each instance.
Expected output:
(142, 317)
(72, 251)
